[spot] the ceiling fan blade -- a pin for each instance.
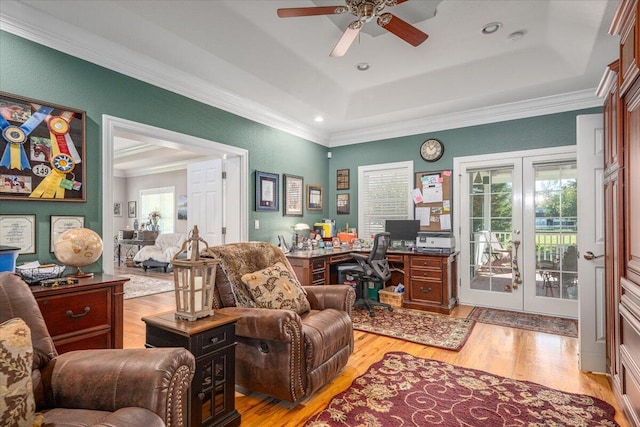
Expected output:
(347, 38)
(293, 12)
(402, 29)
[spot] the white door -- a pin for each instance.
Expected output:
(491, 221)
(205, 203)
(550, 234)
(507, 259)
(591, 316)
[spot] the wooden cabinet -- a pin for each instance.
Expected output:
(622, 213)
(86, 315)
(431, 283)
(212, 340)
(429, 279)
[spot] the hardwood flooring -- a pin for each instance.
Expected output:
(551, 360)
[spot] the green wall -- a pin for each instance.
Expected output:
(34, 71)
(522, 134)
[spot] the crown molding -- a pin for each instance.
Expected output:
(84, 45)
(480, 116)
(97, 50)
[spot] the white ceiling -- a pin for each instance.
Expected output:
(239, 56)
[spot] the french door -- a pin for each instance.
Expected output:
(518, 228)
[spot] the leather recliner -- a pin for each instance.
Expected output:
(114, 387)
(279, 352)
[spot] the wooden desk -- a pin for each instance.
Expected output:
(212, 340)
(85, 315)
(429, 278)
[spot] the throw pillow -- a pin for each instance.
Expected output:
(278, 288)
(17, 404)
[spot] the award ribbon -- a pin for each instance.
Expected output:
(14, 156)
(54, 184)
(61, 142)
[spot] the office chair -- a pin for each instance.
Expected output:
(373, 267)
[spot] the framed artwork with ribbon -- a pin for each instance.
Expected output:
(42, 150)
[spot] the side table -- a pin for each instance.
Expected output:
(212, 340)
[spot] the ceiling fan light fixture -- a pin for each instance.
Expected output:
(362, 66)
(491, 27)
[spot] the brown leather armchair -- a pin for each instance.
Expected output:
(132, 387)
(281, 353)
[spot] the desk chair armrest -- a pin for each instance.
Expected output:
(340, 297)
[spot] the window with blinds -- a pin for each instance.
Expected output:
(384, 192)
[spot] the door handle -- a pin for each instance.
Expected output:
(590, 256)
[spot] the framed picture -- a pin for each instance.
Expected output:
(117, 208)
(293, 195)
(182, 207)
(267, 187)
(62, 223)
(314, 197)
(19, 231)
(342, 204)
(43, 151)
(131, 209)
(342, 179)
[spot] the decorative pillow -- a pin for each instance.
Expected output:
(17, 404)
(278, 288)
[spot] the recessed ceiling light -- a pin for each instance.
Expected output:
(491, 27)
(515, 36)
(319, 119)
(363, 66)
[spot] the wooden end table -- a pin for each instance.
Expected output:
(212, 340)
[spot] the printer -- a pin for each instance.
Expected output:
(439, 243)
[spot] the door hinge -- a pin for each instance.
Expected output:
(224, 230)
(224, 174)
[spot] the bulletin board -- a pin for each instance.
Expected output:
(432, 200)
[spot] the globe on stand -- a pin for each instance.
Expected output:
(78, 248)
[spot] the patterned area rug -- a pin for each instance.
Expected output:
(531, 322)
(404, 390)
(140, 286)
(435, 330)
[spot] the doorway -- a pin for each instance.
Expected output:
(517, 231)
(238, 177)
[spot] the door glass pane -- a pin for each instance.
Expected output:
(491, 207)
(556, 228)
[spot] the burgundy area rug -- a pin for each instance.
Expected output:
(404, 390)
(531, 322)
(435, 330)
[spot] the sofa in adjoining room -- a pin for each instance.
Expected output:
(292, 339)
(115, 387)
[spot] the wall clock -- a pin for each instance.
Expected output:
(431, 150)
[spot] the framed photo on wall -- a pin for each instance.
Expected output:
(342, 179)
(117, 208)
(314, 197)
(19, 231)
(293, 195)
(62, 223)
(42, 149)
(267, 188)
(131, 209)
(342, 204)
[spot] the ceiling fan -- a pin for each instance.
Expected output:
(364, 11)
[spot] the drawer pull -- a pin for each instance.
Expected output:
(425, 290)
(70, 314)
(214, 340)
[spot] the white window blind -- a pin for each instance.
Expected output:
(384, 192)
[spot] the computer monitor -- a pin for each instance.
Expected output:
(402, 229)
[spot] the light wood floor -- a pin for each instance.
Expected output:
(546, 359)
